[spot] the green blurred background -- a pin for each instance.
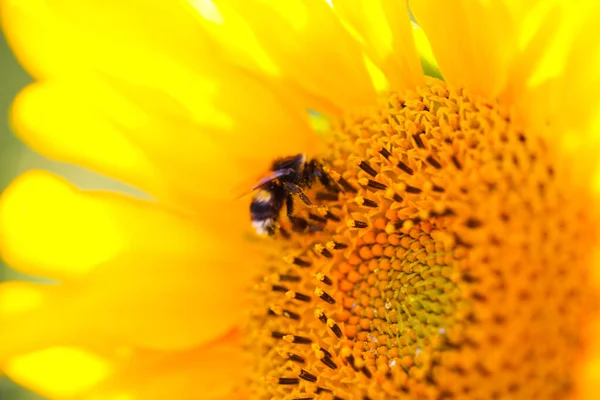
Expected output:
(13, 159)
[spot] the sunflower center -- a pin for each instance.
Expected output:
(453, 263)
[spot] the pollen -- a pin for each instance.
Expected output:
(454, 263)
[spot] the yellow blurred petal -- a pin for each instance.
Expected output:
(539, 24)
(152, 301)
(553, 79)
(207, 372)
(245, 49)
(148, 276)
(58, 372)
(19, 297)
(428, 62)
(62, 126)
(58, 38)
(385, 32)
(380, 81)
(472, 40)
(562, 82)
(48, 228)
(135, 134)
(99, 36)
(151, 91)
(306, 42)
(540, 58)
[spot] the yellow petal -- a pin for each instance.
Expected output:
(157, 302)
(62, 38)
(537, 28)
(306, 42)
(428, 61)
(58, 372)
(147, 275)
(553, 80)
(19, 297)
(539, 58)
(55, 122)
(111, 73)
(48, 228)
(385, 32)
(205, 372)
(151, 141)
(472, 41)
(164, 46)
(562, 85)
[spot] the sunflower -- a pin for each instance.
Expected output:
(437, 241)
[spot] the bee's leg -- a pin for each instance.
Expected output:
(299, 224)
(325, 179)
(294, 189)
(329, 183)
(289, 205)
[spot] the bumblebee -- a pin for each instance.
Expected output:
(288, 178)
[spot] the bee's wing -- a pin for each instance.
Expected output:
(276, 174)
(242, 190)
(248, 187)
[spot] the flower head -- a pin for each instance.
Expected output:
(437, 241)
